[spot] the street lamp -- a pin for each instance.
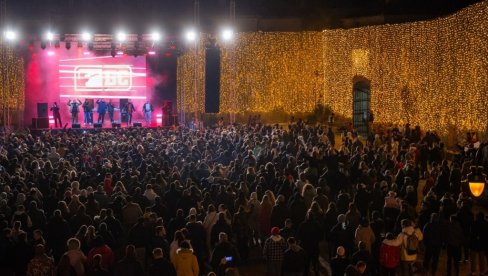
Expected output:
(477, 181)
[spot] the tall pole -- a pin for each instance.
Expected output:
(196, 22)
(232, 18)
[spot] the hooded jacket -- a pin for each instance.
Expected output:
(185, 263)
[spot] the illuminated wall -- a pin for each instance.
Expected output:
(11, 87)
(431, 73)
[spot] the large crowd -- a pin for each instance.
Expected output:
(202, 202)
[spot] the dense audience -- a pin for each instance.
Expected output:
(187, 202)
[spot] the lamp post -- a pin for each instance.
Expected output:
(476, 181)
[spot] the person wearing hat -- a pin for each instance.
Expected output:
(274, 252)
(339, 263)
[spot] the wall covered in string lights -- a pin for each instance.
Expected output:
(432, 73)
(11, 87)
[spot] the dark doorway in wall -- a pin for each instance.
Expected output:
(362, 115)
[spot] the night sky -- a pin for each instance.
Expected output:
(103, 16)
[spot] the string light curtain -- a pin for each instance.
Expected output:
(431, 73)
(11, 87)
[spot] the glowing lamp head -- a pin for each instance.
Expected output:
(155, 36)
(191, 35)
(121, 36)
(10, 35)
(227, 34)
(477, 181)
(86, 36)
(50, 36)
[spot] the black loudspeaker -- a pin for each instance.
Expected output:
(76, 125)
(97, 125)
(137, 124)
(115, 124)
(42, 123)
(123, 114)
(212, 80)
(42, 110)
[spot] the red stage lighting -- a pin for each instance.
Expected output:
(168, 54)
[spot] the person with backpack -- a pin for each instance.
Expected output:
(389, 256)
(409, 240)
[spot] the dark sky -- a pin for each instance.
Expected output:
(104, 16)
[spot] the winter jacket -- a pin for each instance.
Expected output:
(366, 235)
(185, 263)
(389, 254)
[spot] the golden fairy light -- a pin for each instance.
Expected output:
(431, 73)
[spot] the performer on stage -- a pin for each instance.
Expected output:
(147, 109)
(102, 109)
(110, 109)
(129, 108)
(56, 115)
(87, 110)
(74, 109)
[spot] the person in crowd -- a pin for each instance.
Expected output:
(104, 251)
(185, 262)
(294, 259)
(56, 115)
(454, 243)
(76, 257)
(74, 109)
(365, 234)
(97, 268)
(478, 244)
(339, 262)
(409, 240)
(355, 270)
(41, 264)
(433, 241)
(224, 255)
(274, 252)
(160, 265)
(128, 265)
(389, 256)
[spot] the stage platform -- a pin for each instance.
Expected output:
(91, 129)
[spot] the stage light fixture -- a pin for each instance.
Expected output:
(155, 36)
(43, 45)
(50, 53)
(121, 36)
(227, 34)
(50, 36)
(67, 44)
(151, 53)
(90, 46)
(113, 53)
(86, 36)
(10, 35)
(191, 35)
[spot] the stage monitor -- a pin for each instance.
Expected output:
(42, 110)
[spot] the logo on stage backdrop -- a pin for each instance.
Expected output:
(102, 77)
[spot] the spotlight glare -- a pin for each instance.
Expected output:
(50, 53)
(120, 53)
(10, 35)
(49, 36)
(191, 35)
(227, 34)
(121, 36)
(151, 53)
(155, 36)
(85, 36)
